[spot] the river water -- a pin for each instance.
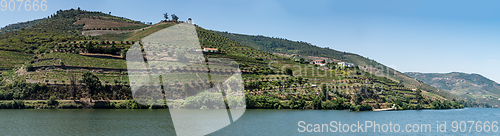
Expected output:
(255, 122)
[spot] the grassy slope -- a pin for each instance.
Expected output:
(48, 33)
(70, 59)
(10, 59)
(279, 45)
(38, 36)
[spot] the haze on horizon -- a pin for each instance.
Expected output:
(410, 36)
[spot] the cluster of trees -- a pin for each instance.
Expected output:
(174, 17)
(20, 90)
(281, 45)
(91, 48)
(262, 101)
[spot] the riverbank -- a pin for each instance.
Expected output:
(75, 104)
(130, 104)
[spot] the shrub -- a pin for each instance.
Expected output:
(52, 101)
(365, 107)
(29, 67)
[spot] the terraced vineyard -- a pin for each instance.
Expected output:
(9, 60)
(270, 80)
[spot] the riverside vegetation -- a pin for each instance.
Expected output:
(55, 66)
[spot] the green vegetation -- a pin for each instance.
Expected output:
(59, 73)
(58, 28)
(70, 59)
(92, 82)
(9, 60)
(301, 50)
(20, 26)
(280, 45)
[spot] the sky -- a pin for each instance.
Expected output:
(411, 36)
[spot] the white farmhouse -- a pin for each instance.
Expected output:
(210, 50)
(346, 64)
(318, 62)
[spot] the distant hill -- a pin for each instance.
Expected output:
(309, 51)
(20, 25)
(466, 85)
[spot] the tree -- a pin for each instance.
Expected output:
(358, 99)
(116, 81)
(73, 87)
(292, 103)
(175, 17)
(302, 60)
(92, 82)
(324, 91)
(165, 16)
(52, 101)
(288, 71)
(317, 103)
(29, 68)
(418, 95)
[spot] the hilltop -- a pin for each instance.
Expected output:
(50, 58)
(472, 86)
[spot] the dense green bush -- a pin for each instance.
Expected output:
(262, 101)
(16, 104)
(52, 101)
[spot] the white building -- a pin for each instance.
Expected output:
(346, 64)
(210, 50)
(318, 62)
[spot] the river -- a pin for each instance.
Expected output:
(255, 122)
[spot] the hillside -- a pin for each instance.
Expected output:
(312, 52)
(20, 25)
(60, 27)
(52, 57)
(472, 86)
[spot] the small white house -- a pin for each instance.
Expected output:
(210, 49)
(318, 61)
(346, 64)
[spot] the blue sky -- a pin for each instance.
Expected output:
(411, 36)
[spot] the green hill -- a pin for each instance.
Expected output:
(309, 51)
(55, 50)
(20, 25)
(472, 86)
(58, 28)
